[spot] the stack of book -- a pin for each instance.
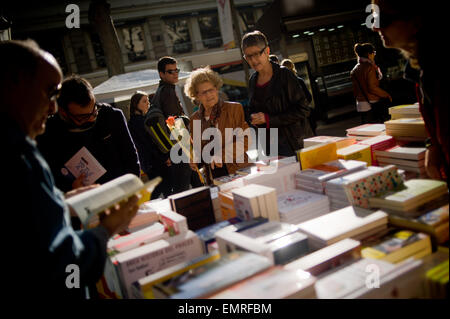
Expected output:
(358, 152)
(144, 217)
(405, 111)
(227, 204)
(340, 141)
(366, 131)
(226, 179)
(124, 268)
(435, 223)
(317, 154)
(398, 246)
(436, 276)
(378, 143)
(212, 277)
(323, 260)
(208, 234)
(313, 179)
(280, 242)
(373, 279)
(143, 288)
(407, 129)
(196, 205)
(279, 174)
(255, 201)
(357, 188)
(273, 283)
(349, 222)
(409, 197)
(409, 158)
(297, 206)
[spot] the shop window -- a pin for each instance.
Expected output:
(210, 31)
(133, 38)
(178, 31)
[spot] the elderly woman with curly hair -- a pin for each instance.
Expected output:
(229, 149)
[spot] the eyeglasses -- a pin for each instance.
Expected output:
(173, 71)
(83, 117)
(206, 92)
(55, 93)
(255, 55)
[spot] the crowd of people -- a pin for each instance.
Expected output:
(48, 119)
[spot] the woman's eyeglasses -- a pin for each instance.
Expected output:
(254, 55)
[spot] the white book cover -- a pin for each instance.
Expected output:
(367, 129)
(346, 179)
(343, 223)
(269, 231)
(83, 162)
(298, 200)
(403, 152)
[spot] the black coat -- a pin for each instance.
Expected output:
(286, 106)
(109, 141)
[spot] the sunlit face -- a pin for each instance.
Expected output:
(170, 75)
(143, 104)
(257, 57)
(42, 97)
(207, 94)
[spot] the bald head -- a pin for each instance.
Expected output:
(27, 82)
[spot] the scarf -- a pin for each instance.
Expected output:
(213, 117)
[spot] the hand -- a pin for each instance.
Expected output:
(258, 118)
(390, 98)
(117, 219)
(216, 161)
(79, 181)
(193, 166)
(80, 190)
(433, 163)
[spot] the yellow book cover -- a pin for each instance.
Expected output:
(317, 154)
(399, 246)
(357, 152)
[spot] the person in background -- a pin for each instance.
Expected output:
(80, 122)
(370, 98)
(273, 58)
(291, 66)
(276, 99)
(414, 29)
(42, 243)
(203, 86)
(153, 162)
(168, 102)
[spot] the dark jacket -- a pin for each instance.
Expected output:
(167, 100)
(151, 158)
(286, 107)
(41, 216)
(109, 141)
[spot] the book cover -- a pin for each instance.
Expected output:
(367, 129)
(274, 283)
(83, 162)
(207, 279)
(405, 109)
(173, 222)
(340, 141)
(90, 203)
(148, 259)
(318, 154)
(357, 152)
(143, 288)
(403, 152)
(399, 246)
(249, 201)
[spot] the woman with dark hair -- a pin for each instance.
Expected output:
(153, 162)
(413, 27)
(371, 100)
(276, 99)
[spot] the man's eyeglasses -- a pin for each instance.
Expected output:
(254, 55)
(83, 117)
(173, 71)
(54, 94)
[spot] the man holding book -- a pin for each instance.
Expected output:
(45, 257)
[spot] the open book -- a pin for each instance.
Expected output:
(90, 203)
